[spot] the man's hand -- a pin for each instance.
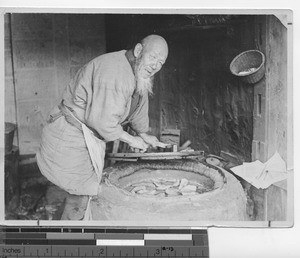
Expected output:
(153, 141)
(135, 142)
(138, 143)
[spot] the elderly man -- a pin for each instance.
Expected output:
(107, 93)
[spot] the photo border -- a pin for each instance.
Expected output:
(284, 15)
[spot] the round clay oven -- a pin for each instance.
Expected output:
(222, 199)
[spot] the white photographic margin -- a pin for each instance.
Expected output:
(236, 242)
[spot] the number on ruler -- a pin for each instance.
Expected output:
(168, 250)
(157, 251)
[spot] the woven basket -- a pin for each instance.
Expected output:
(249, 66)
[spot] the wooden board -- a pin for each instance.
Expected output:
(154, 155)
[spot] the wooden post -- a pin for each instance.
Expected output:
(270, 108)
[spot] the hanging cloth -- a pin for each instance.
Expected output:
(96, 148)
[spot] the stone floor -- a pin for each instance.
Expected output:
(39, 199)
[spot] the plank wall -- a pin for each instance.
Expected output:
(46, 49)
(195, 91)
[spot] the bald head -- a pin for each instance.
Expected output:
(156, 43)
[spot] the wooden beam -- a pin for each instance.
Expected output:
(154, 154)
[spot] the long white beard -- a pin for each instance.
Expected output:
(144, 86)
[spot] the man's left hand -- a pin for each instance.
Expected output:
(153, 141)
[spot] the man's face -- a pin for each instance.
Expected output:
(149, 63)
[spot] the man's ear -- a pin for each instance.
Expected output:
(137, 50)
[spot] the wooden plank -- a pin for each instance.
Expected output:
(170, 136)
(161, 157)
(121, 159)
(154, 154)
(270, 94)
(116, 146)
(115, 150)
(276, 84)
(256, 209)
(276, 200)
(259, 143)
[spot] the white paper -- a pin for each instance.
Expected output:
(262, 175)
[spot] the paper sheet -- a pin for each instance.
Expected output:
(262, 175)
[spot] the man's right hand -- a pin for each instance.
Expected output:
(138, 143)
(135, 142)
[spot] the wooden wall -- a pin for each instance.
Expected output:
(270, 124)
(46, 49)
(277, 87)
(201, 97)
(195, 91)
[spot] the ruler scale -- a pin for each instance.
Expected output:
(103, 242)
(103, 251)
